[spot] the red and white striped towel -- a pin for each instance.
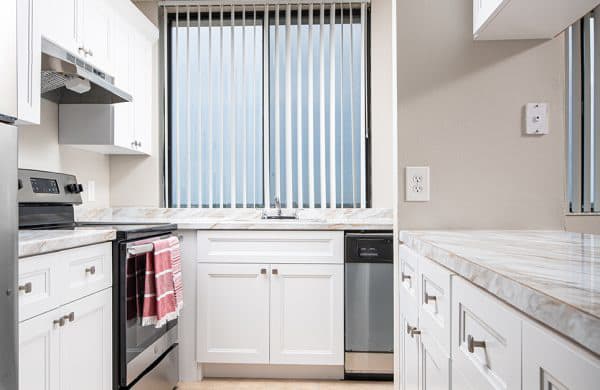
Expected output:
(163, 292)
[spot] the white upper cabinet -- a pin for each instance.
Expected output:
(118, 39)
(28, 62)
(59, 22)
(526, 19)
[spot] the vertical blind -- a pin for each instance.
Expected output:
(583, 104)
(266, 101)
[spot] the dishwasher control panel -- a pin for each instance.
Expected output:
(369, 248)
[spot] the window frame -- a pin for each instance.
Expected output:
(167, 20)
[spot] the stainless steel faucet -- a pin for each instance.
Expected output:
(278, 206)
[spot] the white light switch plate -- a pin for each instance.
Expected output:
(536, 118)
(417, 184)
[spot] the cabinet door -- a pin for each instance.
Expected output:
(86, 343)
(410, 355)
(435, 366)
(307, 314)
(233, 313)
(142, 93)
(550, 362)
(28, 62)
(38, 353)
(96, 30)
(124, 73)
(59, 21)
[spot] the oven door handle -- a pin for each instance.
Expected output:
(143, 247)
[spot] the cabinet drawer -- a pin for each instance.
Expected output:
(482, 318)
(550, 362)
(89, 269)
(435, 303)
(409, 284)
(271, 247)
(39, 287)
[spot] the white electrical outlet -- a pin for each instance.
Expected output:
(536, 118)
(417, 184)
(91, 191)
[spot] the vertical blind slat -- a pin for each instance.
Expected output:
(244, 113)
(288, 106)
(342, 106)
(176, 76)
(323, 182)
(188, 131)
(332, 109)
(254, 146)
(266, 115)
(221, 109)
(167, 66)
(352, 127)
(233, 110)
(595, 142)
(363, 118)
(299, 112)
(199, 112)
(277, 111)
(210, 113)
(588, 121)
(311, 119)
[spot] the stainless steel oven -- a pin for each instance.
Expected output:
(369, 305)
(143, 354)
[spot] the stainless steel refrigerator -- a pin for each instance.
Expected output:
(8, 197)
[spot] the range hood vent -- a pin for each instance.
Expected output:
(67, 79)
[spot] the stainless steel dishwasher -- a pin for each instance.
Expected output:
(369, 305)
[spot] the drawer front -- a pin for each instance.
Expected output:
(279, 247)
(482, 318)
(89, 269)
(435, 303)
(409, 283)
(39, 287)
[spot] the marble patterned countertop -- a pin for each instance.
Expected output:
(36, 242)
(551, 276)
(243, 219)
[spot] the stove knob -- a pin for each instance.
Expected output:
(74, 188)
(20, 184)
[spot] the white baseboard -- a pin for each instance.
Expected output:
(271, 371)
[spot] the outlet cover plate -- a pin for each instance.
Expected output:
(417, 184)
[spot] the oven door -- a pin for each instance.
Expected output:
(139, 346)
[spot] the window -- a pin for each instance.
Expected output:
(265, 105)
(583, 104)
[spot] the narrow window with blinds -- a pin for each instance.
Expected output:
(266, 102)
(583, 124)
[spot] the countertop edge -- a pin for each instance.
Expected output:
(581, 327)
(39, 246)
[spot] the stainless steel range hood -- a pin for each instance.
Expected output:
(67, 79)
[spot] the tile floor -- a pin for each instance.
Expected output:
(254, 384)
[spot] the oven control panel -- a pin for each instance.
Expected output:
(48, 187)
(41, 185)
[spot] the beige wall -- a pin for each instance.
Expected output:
(583, 223)
(460, 112)
(39, 149)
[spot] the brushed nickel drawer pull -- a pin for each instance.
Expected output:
(91, 270)
(429, 298)
(412, 330)
(27, 287)
(263, 271)
(472, 344)
(59, 322)
(70, 317)
(275, 271)
(404, 277)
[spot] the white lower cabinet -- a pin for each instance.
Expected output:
(270, 314)
(307, 314)
(68, 346)
(491, 345)
(233, 313)
(551, 363)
